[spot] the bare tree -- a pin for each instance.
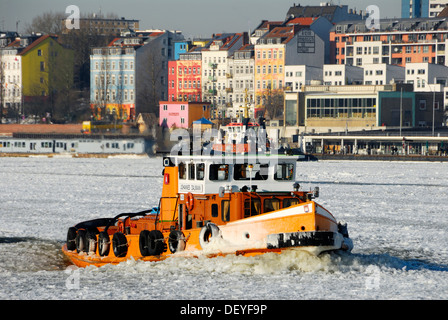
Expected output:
(102, 83)
(273, 103)
(48, 22)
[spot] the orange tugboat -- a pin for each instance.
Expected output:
(214, 205)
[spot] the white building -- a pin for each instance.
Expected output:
(342, 75)
(297, 76)
(215, 69)
(11, 78)
(365, 52)
(240, 81)
(129, 76)
(436, 6)
(379, 74)
(427, 76)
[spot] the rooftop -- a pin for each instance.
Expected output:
(394, 25)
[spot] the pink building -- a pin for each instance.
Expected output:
(181, 114)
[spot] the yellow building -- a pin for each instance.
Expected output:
(270, 60)
(47, 67)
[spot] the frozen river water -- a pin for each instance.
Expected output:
(397, 213)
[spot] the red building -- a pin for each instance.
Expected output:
(184, 78)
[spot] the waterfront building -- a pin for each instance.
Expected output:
(382, 73)
(297, 76)
(397, 42)
(361, 107)
(342, 75)
(182, 114)
(11, 80)
(215, 69)
(240, 82)
(427, 77)
(185, 77)
(129, 76)
(34, 68)
(281, 46)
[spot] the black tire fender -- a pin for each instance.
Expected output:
(91, 242)
(156, 244)
(208, 232)
(71, 238)
(103, 244)
(144, 243)
(119, 244)
(176, 241)
(81, 241)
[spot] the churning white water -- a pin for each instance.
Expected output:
(397, 214)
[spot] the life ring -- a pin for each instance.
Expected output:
(81, 242)
(190, 201)
(103, 244)
(151, 243)
(208, 232)
(71, 239)
(120, 244)
(176, 241)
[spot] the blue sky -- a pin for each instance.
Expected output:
(192, 17)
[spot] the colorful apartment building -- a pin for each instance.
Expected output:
(240, 82)
(181, 47)
(34, 68)
(215, 69)
(397, 42)
(281, 46)
(185, 77)
(129, 76)
(182, 114)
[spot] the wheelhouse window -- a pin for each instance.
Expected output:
(290, 202)
(219, 172)
(250, 172)
(284, 172)
(200, 171)
(182, 171)
(191, 170)
(271, 205)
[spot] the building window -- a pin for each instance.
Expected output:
(42, 66)
(39, 53)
